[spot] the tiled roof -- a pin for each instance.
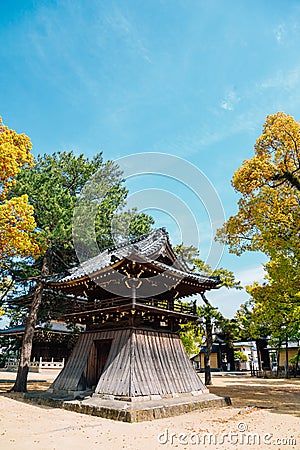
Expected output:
(148, 247)
(194, 276)
(56, 327)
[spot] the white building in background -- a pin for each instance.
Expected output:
(250, 351)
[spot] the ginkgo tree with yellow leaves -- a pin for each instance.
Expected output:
(269, 184)
(268, 220)
(276, 161)
(18, 236)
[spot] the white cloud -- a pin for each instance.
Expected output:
(226, 105)
(247, 276)
(230, 100)
(279, 32)
(283, 80)
(129, 33)
(208, 134)
(274, 93)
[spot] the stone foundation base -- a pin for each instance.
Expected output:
(137, 411)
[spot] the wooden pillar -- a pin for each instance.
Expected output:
(133, 295)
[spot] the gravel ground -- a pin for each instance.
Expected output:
(264, 414)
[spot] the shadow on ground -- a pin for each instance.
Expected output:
(278, 395)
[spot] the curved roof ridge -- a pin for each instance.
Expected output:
(147, 246)
(138, 238)
(103, 259)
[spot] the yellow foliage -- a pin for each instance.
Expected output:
(277, 156)
(14, 154)
(268, 219)
(17, 224)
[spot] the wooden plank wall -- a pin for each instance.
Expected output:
(144, 362)
(140, 363)
(69, 378)
(115, 378)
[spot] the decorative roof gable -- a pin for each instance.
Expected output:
(154, 246)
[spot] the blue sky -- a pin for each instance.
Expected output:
(194, 79)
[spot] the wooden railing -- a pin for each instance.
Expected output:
(171, 305)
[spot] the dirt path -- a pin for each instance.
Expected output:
(265, 414)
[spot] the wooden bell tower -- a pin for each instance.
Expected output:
(129, 298)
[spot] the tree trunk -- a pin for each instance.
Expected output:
(297, 362)
(286, 356)
(21, 379)
(258, 353)
(278, 357)
(209, 343)
(230, 357)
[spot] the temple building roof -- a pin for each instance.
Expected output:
(153, 248)
(138, 281)
(51, 327)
